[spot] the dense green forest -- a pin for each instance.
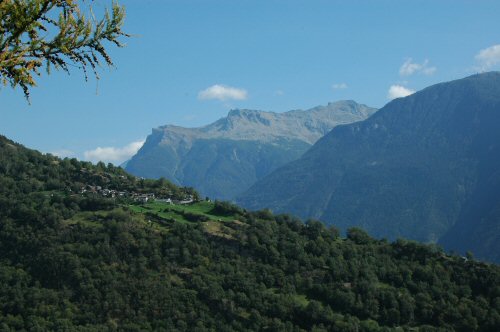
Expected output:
(73, 261)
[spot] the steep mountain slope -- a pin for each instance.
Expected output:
(226, 157)
(418, 167)
(80, 261)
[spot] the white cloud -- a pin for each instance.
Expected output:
(398, 91)
(63, 153)
(488, 57)
(338, 86)
(409, 68)
(112, 154)
(222, 92)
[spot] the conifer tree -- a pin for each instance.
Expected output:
(46, 34)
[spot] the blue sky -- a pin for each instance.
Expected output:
(190, 62)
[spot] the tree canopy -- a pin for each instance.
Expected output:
(38, 34)
(75, 261)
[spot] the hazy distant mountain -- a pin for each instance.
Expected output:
(425, 167)
(226, 157)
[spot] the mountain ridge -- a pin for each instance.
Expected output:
(409, 170)
(227, 156)
(318, 120)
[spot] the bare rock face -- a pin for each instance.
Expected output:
(226, 157)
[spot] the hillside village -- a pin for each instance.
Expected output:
(135, 196)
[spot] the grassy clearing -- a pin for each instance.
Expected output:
(95, 219)
(86, 218)
(218, 229)
(161, 210)
(178, 213)
(158, 216)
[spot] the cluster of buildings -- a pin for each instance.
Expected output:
(103, 191)
(188, 200)
(137, 197)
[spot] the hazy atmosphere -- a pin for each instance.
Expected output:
(190, 62)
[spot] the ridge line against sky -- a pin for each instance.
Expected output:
(192, 61)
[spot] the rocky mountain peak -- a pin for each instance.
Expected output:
(226, 157)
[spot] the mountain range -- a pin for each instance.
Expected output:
(223, 159)
(424, 167)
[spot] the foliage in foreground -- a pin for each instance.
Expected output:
(66, 264)
(54, 34)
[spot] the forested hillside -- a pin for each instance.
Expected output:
(74, 260)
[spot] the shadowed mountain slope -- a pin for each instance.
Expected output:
(424, 167)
